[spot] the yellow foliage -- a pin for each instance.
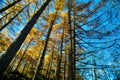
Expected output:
(4, 42)
(15, 8)
(59, 5)
(51, 15)
(56, 27)
(34, 34)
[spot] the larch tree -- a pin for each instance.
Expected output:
(70, 40)
(9, 6)
(9, 55)
(53, 18)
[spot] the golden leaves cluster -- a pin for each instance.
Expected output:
(59, 5)
(4, 42)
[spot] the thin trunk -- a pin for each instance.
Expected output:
(27, 71)
(48, 68)
(74, 50)
(59, 59)
(1, 28)
(94, 70)
(15, 46)
(12, 65)
(49, 65)
(70, 74)
(14, 61)
(41, 59)
(5, 15)
(65, 67)
(9, 6)
(23, 55)
(24, 68)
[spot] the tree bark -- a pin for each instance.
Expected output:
(5, 15)
(1, 28)
(41, 59)
(49, 65)
(59, 59)
(70, 72)
(14, 47)
(23, 55)
(9, 6)
(74, 50)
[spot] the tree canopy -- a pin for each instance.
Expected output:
(59, 39)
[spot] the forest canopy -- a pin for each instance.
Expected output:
(59, 39)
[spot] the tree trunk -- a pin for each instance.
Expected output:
(70, 72)
(59, 59)
(23, 55)
(1, 28)
(65, 67)
(5, 15)
(12, 64)
(14, 47)
(9, 6)
(41, 59)
(74, 50)
(49, 65)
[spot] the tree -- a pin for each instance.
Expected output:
(1, 28)
(72, 40)
(6, 59)
(9, 6)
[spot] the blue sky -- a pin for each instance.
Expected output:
(102, 57)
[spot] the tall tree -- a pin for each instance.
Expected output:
(9, 6)
(41, 59)
(58, 8)
(70, 77)
(59, 58)
(14, 47)
(1, 28)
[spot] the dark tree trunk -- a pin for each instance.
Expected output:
(65, 67)
(41, 59)
(49, 65)
(71, 71)
(24, 67)
(51, 62)
(59, 59)
(14, 47)
(12, 64)
(9, 6)
(5, 16)
(1, 28)
(23, 55)
(74, 50)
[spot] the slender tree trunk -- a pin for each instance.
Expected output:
(23, 55)
(5, 15)
(9, 6)
(48, 68)
(70, 72)
(74, 50)
(49, 65)
(24, 68)
(65, 67)
(59, 59)
(41, 59)
(12, 64)
(1, 28)
(94, 70)
(14, 47)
